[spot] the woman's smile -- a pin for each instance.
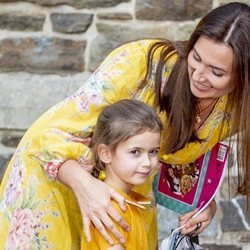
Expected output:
(200, 87)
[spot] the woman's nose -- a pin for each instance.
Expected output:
(199, 74)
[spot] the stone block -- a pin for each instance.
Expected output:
(71, 22)
(24, 97)
(167, 221)
(3, 164)
(180, 10)
(228, 188)
(244, 237)
(220, 247)
(111, 36)
(241, 201)
(222, 2)
(114, 16)
(231, 221)
(10, 139)
(41, 55)
(75, 3)
(184, 31)
(21, 21)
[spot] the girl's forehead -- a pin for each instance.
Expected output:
(143, 140)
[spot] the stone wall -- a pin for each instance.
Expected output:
(48, 48)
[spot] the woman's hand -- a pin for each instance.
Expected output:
(198, 223)
(94, 197)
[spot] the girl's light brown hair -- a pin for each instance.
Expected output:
(120, 121)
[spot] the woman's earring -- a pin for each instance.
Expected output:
(102, 175)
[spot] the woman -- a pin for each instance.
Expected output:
(201, 92)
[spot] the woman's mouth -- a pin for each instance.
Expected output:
(200, 86)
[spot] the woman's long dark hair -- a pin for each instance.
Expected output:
(176, 97)
(229, 24)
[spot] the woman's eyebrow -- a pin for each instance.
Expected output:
(196, 52)
(212, 66)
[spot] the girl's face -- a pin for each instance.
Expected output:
(210, 66)
(133, 160)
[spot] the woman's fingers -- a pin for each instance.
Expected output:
(109, 224)
(118, 198)
(118, 218)
(198, 230)
(86, 224)
(95, 202)
(114, 213)
(101, 218)
(102, 229)
(195, 227)
(203, 220)
(185, 217)
(105, 223)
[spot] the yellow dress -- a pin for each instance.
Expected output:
(38, 212)
(136, 238)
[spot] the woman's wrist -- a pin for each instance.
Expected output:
(71, 172)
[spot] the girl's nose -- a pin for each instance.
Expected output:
(146, 161)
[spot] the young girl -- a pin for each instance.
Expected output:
(125, 145)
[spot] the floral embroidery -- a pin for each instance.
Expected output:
(52, 167)
(21, 229)
(86, 161)
(24, 212)
(25, 228)
(13, 185)
(73, 137)
(93, 92)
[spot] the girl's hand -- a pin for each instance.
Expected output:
(94, 197)
(197, 224)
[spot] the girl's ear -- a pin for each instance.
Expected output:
(104, 153)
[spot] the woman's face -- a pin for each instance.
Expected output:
(210, 66)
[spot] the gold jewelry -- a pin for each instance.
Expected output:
(102, 175)
(198, 225)
(197, 117)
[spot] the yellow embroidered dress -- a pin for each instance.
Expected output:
(38, 212)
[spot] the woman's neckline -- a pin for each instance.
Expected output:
(206, 111)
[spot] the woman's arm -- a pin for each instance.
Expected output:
(94, 200)
(60, 135)
(204, 218)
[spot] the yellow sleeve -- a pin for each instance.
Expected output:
(59, 134)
